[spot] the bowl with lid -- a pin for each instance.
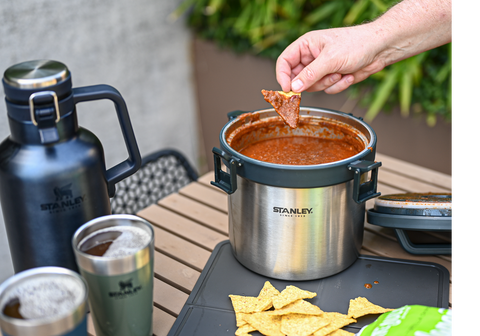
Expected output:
(300, 216)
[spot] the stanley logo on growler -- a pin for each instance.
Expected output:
(64, 200)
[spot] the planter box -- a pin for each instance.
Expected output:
(226, 82)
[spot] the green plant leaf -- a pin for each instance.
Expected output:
(383, 91)
(380, 5)
(355, 11)
(322, 12)
(406, 87)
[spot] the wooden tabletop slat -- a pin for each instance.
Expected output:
(168, 298)
(409, 169)
(162, 322)
(180, 249)
(175, 273)
(206, 180)
(182, 227)
(408, 184)
(201, 213)
(206, 195)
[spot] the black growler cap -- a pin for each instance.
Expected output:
(21, 80)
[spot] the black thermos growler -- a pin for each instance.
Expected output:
(53, 176)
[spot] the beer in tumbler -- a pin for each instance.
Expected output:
(44, 301)
(114, 254)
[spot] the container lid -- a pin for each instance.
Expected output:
(413, 211)
(36, 74)
(22, 80)
(415, 204)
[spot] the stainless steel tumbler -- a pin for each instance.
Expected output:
(44, 301)
(120, 284)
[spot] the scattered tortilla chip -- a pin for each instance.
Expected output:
(245, 330)
(287, 105)
(302, 325)
(291, 294)
(250, 304)
(361, 306)
(268, 290)
(340, 332)
(239, 318)
(298, 307)
(293, 316)
(337, 321)
(265, 323)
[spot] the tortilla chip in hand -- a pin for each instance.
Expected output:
(287, 105)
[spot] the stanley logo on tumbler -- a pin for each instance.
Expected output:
(126, 289)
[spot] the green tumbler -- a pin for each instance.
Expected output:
(114, 254)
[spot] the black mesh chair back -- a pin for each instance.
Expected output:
(161, 174)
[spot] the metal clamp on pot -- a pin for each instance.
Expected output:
(296, 222)
(225, 181)
(363, 191)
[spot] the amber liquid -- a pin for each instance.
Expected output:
(99, 244)
(12, 309)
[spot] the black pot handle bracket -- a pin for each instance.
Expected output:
(223, 180)
(362, 192)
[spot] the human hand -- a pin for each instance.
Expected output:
(331, 59)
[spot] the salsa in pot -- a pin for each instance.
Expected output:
(314, 141)
(301, 150)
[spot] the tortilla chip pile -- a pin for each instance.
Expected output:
(286, 313)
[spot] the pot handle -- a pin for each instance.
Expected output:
(362, 192)
(225, 181)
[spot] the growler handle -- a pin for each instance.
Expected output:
(134, 161)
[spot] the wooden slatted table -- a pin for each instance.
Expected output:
(189, 224)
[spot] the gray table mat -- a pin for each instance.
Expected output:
(208, 310)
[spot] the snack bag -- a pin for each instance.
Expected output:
(412, 320)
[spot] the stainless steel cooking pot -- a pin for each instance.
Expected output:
(295, 222)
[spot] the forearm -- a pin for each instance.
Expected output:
(413, 26)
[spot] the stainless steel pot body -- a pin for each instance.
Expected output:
(296, 222)
(295, 234)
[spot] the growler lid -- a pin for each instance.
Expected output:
(23, 79)
(36, 74)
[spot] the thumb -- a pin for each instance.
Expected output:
(309, 75)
